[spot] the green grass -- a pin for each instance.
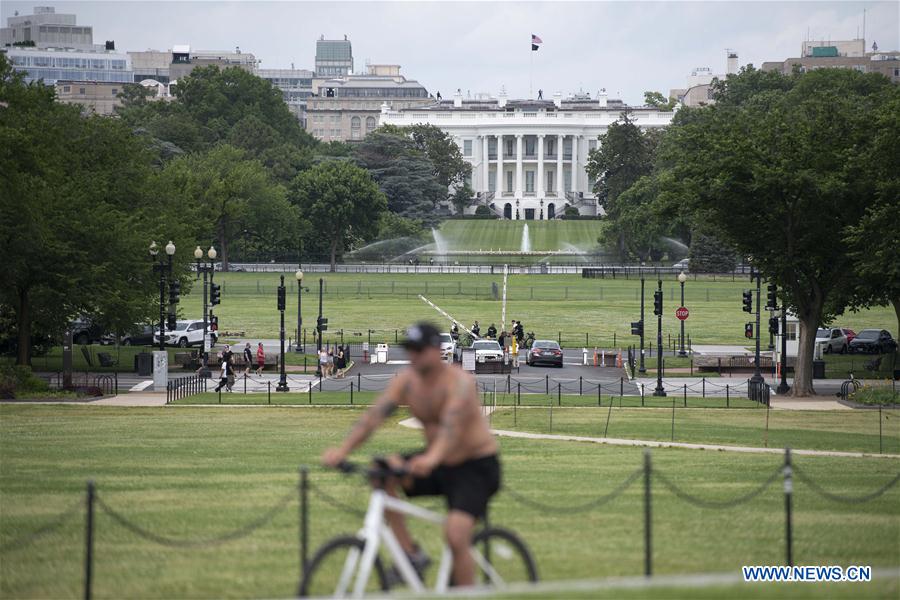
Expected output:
(53, 360)
(507, 235)
(553, 306)
(194, 472)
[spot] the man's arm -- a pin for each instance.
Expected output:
(384, 407)
(460, 402)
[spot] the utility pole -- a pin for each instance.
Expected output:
(658, 310)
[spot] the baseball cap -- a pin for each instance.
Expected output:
(421, 336)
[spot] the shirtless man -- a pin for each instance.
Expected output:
(460, 459)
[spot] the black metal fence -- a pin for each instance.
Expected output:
(183, 387)
(789, 472)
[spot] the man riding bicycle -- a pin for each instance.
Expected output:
(460, 459)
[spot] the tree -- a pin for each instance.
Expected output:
(774, 166)
(709, 254)
(78, 210)
(624, 155)
(461, 198)
(233, 198)
(341, 202)
(659, 101)
(404, 174)
(449, 166)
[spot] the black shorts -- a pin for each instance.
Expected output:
(467, 486)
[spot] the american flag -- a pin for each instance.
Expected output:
(535, 40)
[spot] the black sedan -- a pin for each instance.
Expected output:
(545, 352)
(873, 341)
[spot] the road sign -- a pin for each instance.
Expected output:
(682, 313)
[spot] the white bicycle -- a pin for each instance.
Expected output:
(351, 565)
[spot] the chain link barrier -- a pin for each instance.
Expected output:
(704, 503)
(592, 504)
(54, 524)
(342, 506)
(230, 536)
(839, 498)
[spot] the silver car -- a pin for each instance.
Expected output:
(832, 339)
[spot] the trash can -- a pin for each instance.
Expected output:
(818, 369)
(381, 353)
(143, 364)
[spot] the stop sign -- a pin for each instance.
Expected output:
(682, 313)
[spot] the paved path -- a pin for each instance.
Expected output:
(133, 399)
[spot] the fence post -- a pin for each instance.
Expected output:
(309, 391)
(89, 542)
(788, 493)
(642, 394)
(673, 418)
(304, 521)
(507, 383)
(220, 394)
(245, 384)
(351, 393)
(358, 381)
(648, 536)
(518, 393)
(727, 396)
(704, 387)
(685, 395)
(880, 447)
(580, 386)
(559, 393)
(600, 394)
(269, 385)
(547, 384)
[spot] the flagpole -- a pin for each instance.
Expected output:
(531, 75)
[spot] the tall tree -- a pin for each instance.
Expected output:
(341, 202)
(659, 101)
(774, 170)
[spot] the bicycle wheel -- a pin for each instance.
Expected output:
(332, 570)
(507, 557)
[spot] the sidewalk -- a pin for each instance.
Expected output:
(133, 399)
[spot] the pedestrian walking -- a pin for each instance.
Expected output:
(476, 329)
(260, 359)
(323, 362)
(340, 362)
(492, 331)
(329, 357)
(248, 359)
(229, 364)
(514, 352)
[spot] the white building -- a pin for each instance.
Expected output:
(544, 145)
(52, 65)
(47, 29)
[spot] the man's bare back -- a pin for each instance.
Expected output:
(447, 399)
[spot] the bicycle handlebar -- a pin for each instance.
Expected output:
(379, 469)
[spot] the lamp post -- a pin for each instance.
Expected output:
(299, 276)
(757, 374)
(164, 268)
(642, 368)
(205, 269)
(681, 279)
(783, 387)
(658, 309)
(282, 296)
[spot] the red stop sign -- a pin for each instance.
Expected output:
(682, 313)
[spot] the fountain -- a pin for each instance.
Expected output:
(526, 240)
(440, 243)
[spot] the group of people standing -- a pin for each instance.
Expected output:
(334, 362)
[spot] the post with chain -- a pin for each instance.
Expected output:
(880, 446)
(673, 418)
(788, 495)
(304, 520)
(648, 536)
(89, 542)
(518, 393)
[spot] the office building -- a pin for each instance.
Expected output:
(47, 29)
(849, 54)
(334, 58)
(699, 88)
(295, 86)
(528, 157)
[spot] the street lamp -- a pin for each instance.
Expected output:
(299, 276)
(282, 294)
(164, 268)
(757, 378)
(681, 279)
(658, 310)
(642, 368)
(783, 387)
(205, 269)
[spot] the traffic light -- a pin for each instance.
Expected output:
(171, 321)
(748, 302)
(281, 297)
(322, 324)
(637, 328)
(773, 325)
(658, 303)
(771, 297)
(748, 330)
(174, 292)
(215, 294)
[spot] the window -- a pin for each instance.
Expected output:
(492, 181)
(529, 181)
(115, 91)
(860, 68)
(550, 146)
(897, 72)
(592, 145)
(467, 147)
(550, 175)
(529, 146)
(355, 128)
(567, 180)
(81, 91)
(510, 150)
(509, 181)
(370, 124)
(67, 88)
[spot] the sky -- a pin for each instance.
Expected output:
(481, 47)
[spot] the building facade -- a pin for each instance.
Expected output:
(47, 29)
(93, 96)
(528, 157)
(52, 65)
(170, 65)
(295, 85)
(334, 58)
(848, 54)
(348, 108)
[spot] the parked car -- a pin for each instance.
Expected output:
(545, 352)
(186, 333)
(833, 339)
(143, 335)
(487, 351)
(873, 341)
(86, 332)
(448, 347)
(683, 264)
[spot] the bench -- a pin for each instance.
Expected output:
(106, 360)
(874, 364)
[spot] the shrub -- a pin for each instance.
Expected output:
(875, 395)
(16, 379)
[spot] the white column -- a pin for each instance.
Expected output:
(501, 178)
(560, 180)
(575, 163)
(519, 165)
(486, 168)
(540, 167)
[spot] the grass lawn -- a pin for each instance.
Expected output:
(195, 472)
(507, 235)
(552, 306)
(52, 361)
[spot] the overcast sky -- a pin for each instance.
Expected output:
(625, 47)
